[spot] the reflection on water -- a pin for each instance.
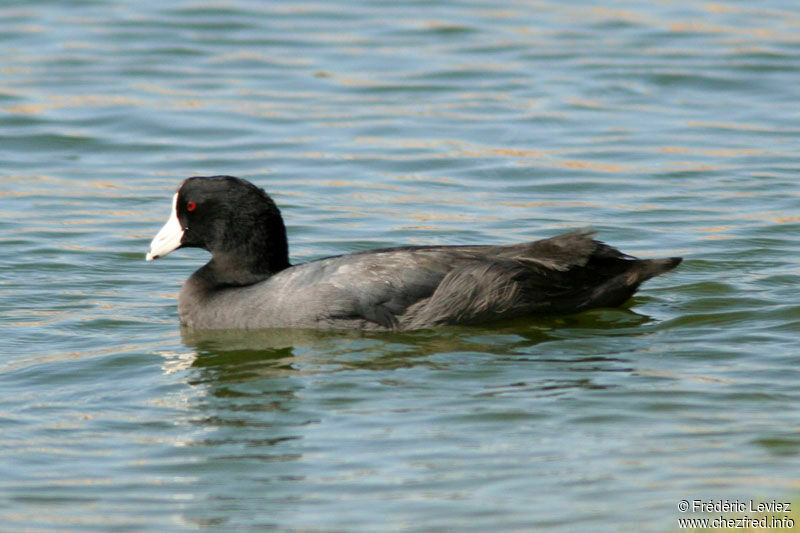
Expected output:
(275, 403)
(531, 330)
(227, 356)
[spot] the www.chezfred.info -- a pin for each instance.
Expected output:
(765, 514)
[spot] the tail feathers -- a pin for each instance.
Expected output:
(620, 288)
(650, 268)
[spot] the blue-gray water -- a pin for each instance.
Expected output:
(670, 127)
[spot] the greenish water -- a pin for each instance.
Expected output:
(670, 127)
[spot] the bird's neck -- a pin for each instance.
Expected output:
(229, 269)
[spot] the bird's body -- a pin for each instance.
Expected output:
(249, 283)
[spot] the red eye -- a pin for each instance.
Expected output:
(191, 206)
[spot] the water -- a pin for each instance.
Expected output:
(670, 127)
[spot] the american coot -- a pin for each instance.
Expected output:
(249, 283)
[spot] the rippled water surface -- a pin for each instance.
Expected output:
(670, 127)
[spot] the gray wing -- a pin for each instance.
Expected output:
(377, 287)
(418, 287)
